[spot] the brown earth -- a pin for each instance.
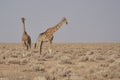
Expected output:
(68, 61)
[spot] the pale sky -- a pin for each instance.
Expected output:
(88, 20)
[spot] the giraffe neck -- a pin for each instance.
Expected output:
(55, 28)
(24, 30)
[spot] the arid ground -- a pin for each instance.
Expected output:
(68, 61)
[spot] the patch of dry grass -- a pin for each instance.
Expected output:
(73, 61)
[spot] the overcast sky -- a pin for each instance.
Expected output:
(88, 20)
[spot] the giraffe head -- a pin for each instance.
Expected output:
(23, 19)
(64, 20)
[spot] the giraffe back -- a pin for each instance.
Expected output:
(45, 36)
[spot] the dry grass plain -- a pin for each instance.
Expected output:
(68, 61)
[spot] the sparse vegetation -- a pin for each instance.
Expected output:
(67, 62)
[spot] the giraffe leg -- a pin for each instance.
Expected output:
(41, 42)
(50, 47)
(27, 45)
(30, 46)
(24, 45)
(37, 44)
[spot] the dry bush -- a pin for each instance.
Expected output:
(38, 67)
(13, 61)
(4, 78)
(115, 64)
(115, 69)
(66, 59)
(83, 58)
(105, 71)
(39, 78)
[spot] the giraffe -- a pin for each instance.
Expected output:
(26, 39)
(48, 35)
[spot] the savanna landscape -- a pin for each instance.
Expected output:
(68, 61)
(59, 40)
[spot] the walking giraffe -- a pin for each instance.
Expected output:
(48, 35)
(26, 39)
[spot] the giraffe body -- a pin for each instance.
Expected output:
(48, 35)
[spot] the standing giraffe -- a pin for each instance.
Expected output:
(48, 35)
(25, 37)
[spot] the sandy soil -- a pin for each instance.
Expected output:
(68, 61)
